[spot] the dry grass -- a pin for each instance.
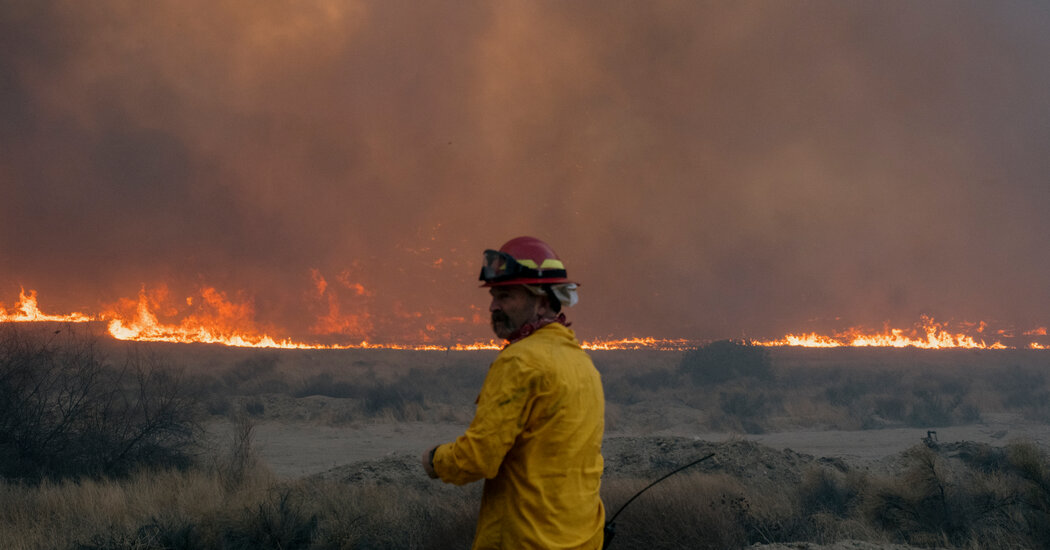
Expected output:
(58, 515)
(799, 388)
(694, 511)
(960, 497)
(196, 510)
(966, 496)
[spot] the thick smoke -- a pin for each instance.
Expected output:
(706, 169)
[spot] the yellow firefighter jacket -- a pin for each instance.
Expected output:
(536, 439)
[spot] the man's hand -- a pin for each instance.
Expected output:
(428, 462)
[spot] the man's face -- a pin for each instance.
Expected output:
(512, 307)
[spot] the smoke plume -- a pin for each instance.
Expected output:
(705, 169)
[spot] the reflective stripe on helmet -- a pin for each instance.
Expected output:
(549, 263)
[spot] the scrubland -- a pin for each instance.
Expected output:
(106, 446)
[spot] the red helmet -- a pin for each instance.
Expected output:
(523, 261)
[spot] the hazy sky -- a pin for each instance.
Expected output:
(705, 169)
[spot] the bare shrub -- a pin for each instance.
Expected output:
(394, 399)
(254, 406)
(172, 532)
(282, 521)
(824, 490)
(1024, 390)
(454, 383)
(845, 393)
(747, 411)
(937, 502)
(940, 400)
(891, 407)
(1032, 466)
(325, 384)
(66, 412)
(216, 404)
(168, 533)
(240, 460)
(725, 360)
(883, 397)
(638, 387)
(932, 409)
(256, 375)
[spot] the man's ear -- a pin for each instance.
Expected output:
(543, 307)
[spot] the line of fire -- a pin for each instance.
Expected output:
(142, 324)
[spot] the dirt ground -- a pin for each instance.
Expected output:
(303, 449)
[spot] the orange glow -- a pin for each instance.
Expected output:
(658, 344)
(26, 310)
(335, 320)
(213, 316)
(216, 320)
(219, 320)
(928, 334)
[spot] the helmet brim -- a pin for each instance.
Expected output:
(529, 281)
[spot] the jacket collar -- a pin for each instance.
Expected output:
(531, 327)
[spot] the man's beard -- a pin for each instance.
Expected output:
(501, 324)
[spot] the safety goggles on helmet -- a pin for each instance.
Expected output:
(500, 267)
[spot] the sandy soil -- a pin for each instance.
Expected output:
(297, 450)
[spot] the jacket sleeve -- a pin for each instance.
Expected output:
(498, 420)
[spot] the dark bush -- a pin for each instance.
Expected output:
(846, 393)
(325, 384)
(279, 523)
(747, 410)
(256, 375)
(216, 404)
(457, 383)
(932, 409)
(1030, 463)
(159, 533)
(939, 500)
(827, 491)
(1024, 390)
(391, 397)
(725, 360)
(254, 407)
(891, 408)
(66, 412)
(634, 388)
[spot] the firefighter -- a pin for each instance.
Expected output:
(537, 431)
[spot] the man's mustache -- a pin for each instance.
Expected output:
(499, 317)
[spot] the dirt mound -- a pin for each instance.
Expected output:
(840, 545)
(400, 469)
(652, 456)
(640, 457)
(760, 468)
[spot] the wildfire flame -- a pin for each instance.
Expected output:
(657, 344)
(214, 317)
(929, 334)
(27, 311)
